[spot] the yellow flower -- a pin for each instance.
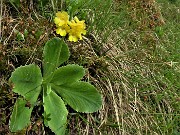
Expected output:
(77, 28)
(62, 18)
(74, 28)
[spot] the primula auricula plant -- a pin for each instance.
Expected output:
(74, 28)
(57, 85)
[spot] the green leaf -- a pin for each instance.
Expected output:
(68, 74)
(64, 55)
(51, 55)
(81, 96)
(20, 36)
(55, 53)
(20, 117)
(55, 108)
(27, 82)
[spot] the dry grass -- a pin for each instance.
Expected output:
(128, 68)
(135, 92)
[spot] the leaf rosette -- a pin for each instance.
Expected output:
(58, 84)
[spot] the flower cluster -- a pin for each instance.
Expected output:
(74, 28)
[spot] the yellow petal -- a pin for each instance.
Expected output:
(76, 19)
(57, 20)
(73, 38)
(84, 32)
(80, 37)
(61, 23)
(60, 31)
(67, 28)
(58, 14)
(63, 33)
(62, 14)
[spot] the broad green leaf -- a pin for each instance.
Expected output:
(32, 95)
(64, 55)
(51, 55)
(55, 108)
(27, 82)
(20, 117)
(81, 96)
(55, 53)
(68, 74)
